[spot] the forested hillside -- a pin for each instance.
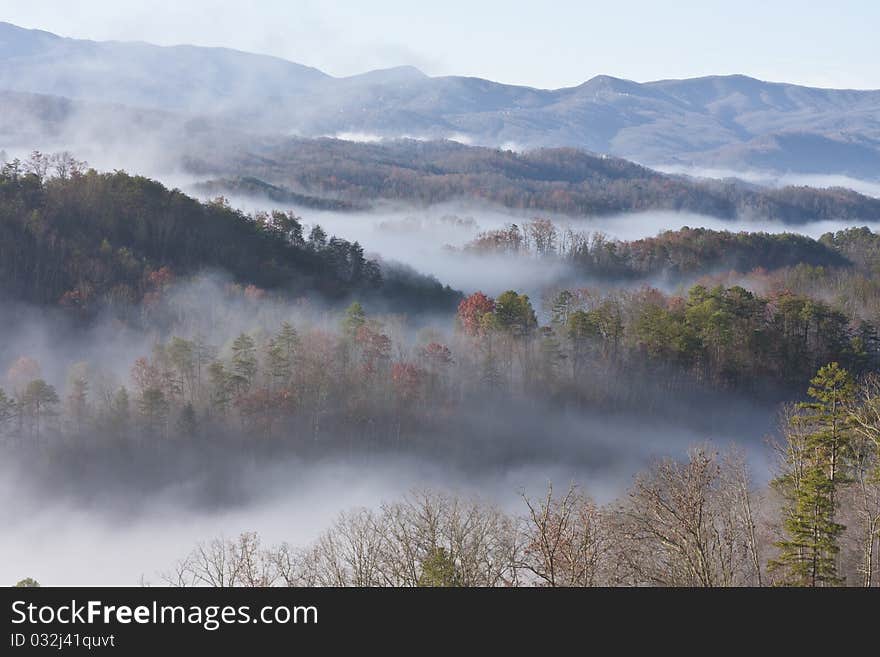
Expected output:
(673, 254)
(562, 180)
(497, 389)
(235, 366)
(86, 239)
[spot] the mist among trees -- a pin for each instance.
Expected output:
(725, 381)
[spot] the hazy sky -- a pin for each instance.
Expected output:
(544, 44)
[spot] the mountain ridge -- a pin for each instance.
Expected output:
(734, 121)
(5, 25)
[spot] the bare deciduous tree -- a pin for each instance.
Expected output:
(350, 552)
(479, 539)
(863, 496)
(566, 540)
(680, 525)
(226, 562)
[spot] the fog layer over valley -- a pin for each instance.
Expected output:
(433, 241)
(225, 323)
(103, 489)
(181, 370)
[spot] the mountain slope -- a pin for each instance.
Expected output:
(194, 79)
(561, 180)
(88, 241)
(342, 175)
(727, 121)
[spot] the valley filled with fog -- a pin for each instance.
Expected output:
(117, 528)
(121, 515)
(255, 313)
(431, 240)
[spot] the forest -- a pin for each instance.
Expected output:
(674, 254)
(312, 390)
(185, 339)
(89, 240)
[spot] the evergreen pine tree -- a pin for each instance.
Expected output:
(244, 362)
(438, 569)
(354, 319)
(808, 552)
(280, 354)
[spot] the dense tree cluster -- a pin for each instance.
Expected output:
(853, 290)
(87, 240)
(368, 381)
(675, 254)
(859, 245)
(721, 336)
(560, 180)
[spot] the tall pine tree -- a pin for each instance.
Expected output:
(808, 552)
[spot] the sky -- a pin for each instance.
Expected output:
(546, 44)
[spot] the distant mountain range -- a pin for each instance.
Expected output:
(731, 122)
